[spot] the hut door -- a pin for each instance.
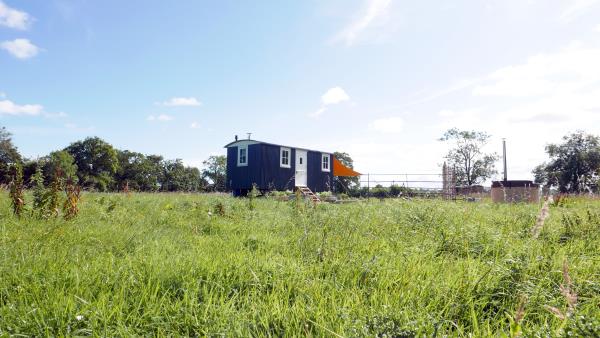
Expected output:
(301, 172)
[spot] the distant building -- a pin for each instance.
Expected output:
(271, 166)
(515, 191)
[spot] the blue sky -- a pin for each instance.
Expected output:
(380, 79)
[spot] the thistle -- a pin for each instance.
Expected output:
(70, 206)
(53, 196)
(17, 195)
(40, 200)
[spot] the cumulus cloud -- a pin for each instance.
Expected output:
(161, 118)
(181, 102)
(535, 102)
(387, 125)
(20, 48)
(571, 69)
(373, 11)
(13, 18)
(332, 96)
(8, 107)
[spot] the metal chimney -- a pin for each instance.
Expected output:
(504, 158)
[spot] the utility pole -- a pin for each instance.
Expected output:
(504, 159)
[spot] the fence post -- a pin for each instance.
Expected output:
(368, 186)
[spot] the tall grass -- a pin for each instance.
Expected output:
(185, 264)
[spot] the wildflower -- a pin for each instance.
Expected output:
(79, 317)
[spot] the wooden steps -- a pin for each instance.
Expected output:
(307, 193)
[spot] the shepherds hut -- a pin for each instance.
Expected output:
(270, 166)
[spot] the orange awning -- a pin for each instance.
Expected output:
(339, 169)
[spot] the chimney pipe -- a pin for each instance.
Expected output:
(236, 138)
(504, 158)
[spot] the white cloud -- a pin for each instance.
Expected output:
(534, 103)
(387, 125)
(161, 118)
(576, 9)
(374, 10)
(182, 102)
(14, 18)
(332, 96)
(571, 69)
(20, 48)
(8, 107)
(597, 28)
(194, 125)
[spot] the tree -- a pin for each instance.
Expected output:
(59, 161)
(155, 177)
(215, 171)
(574, 165)
(345, 184)
(96, 162)
(9, 155)
(178, 177)
(471, 165)
(130, 171)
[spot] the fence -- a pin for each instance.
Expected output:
(408, 184)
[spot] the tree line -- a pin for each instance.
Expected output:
(573, 165)
(94, 164)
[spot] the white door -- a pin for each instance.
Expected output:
(301, 172)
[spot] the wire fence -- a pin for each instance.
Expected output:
(407, 184)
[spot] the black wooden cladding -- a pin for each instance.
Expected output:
(265, 171)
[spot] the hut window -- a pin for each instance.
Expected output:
(325, 162)
(242, 156)
(284, 158)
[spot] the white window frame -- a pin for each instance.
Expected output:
(289, 157)
(239, 157)
(323, 157)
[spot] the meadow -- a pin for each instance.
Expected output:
(210, 265)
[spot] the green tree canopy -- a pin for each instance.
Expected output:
(215, 171)
(9, 155)
(471, 165)
(59, 161)
(96, 161)
(574, 165)
(177, 177)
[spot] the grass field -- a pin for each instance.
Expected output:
(205, 265)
